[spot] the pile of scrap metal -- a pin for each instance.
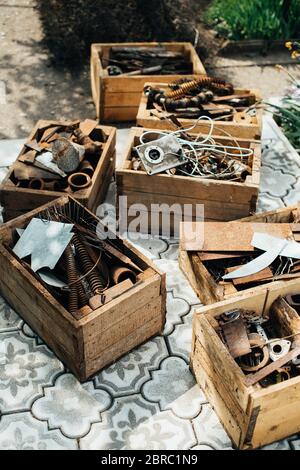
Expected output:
(156, 60)
(266, 347)
(245, 258)
(60, 158)
(185, 154)
(203, 96)
(63, 248)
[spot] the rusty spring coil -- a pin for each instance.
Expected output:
(188, 102)
(213, 83)
(82, 297)
(96, 281)
(72, 278)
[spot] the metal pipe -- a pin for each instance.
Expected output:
(120, 273)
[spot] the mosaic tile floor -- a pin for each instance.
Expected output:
(146, 400)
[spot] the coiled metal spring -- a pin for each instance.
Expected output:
(213, 83)
(95, 280)
(72, 278)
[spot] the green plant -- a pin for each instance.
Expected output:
(287, 116)
(255, 19)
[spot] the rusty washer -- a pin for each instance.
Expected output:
(79, 181)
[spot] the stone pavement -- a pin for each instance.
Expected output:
(146, 400)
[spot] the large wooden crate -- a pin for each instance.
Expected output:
(222, 200)
(16, 200)
(100, 337)
(239, 126)
(201, 280)
(252, 416)
(117, 98)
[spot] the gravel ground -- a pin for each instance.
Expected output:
(31, 87)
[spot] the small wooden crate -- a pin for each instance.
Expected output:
(223, 200)
(238, 127)
(100, 337)
(17, 201)
(203, 283)
(252, 416)
(117, 98)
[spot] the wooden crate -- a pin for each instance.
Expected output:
(223, 200)
(17, 201)
(100, 337)
(117, 98)
(252, 416)
(204, 284)
(238, 127)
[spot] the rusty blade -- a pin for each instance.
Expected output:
(236, 338)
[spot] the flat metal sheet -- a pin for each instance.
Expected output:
(49, 278)
(45, 159)
(259, 263)
(45, 241)
(263, 241)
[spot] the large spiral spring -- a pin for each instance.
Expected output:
(213, 83)
(96, 281)
(72, 277)
(82, 296)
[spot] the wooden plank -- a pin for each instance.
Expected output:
(200, 284)
(233, 418)
(282, 215)
(279, 415)
(97, 345)
(185, 186)
(236, 236)
(124, 346)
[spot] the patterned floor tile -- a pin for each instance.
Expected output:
(151, 247)
(133, 423)
(295, 444)
(163, 431)
(209, 430)
(294, 194)
(269, 182)
(266, 202)
(25, 368)
(177, 283)
(71, 406)
(280, 445)
(20, 431)
(9, 319)
(277, 156)
(122, 425)
(27, 331)
(128, 374)
(173, 387)
(176, 309)
(181, 338)
(171, 253)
